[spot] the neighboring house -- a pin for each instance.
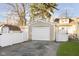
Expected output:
(9, 28)
(69, 25)
(63, 21)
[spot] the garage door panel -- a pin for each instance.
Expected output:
(40, 33)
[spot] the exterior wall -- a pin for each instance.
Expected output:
(5, 30)
(72, 29)
(64, 21)
(77, 31)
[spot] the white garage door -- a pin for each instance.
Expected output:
(40, 33)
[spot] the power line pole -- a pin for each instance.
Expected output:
(65, 14)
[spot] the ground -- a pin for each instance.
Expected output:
(31, 48)
(70, 48)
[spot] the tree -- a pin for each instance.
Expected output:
(44, 10)
(20, 10)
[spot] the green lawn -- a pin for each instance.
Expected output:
(68, 49)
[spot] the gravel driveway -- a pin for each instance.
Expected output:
(30, 48)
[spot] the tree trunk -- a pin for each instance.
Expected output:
(22, 22)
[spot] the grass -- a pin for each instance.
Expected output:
(68, 49)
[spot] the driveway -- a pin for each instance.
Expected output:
(31, 48)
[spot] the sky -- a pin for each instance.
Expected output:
(72, 9)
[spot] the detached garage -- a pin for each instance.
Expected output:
(41, 31)
(9, 28)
